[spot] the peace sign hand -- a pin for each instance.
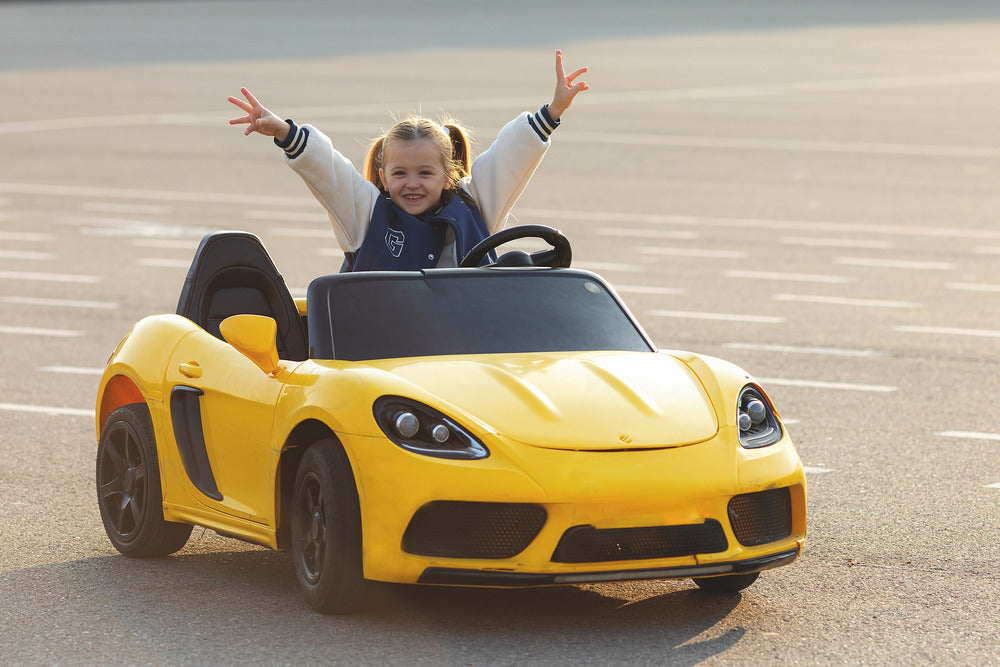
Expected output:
(566, 89)
(258, 118)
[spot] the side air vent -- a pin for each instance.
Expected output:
(457, 529)
(762, 517)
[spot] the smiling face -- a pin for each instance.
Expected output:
(414, 174)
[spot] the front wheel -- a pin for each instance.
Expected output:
(128, 487)
(730, 583)
(326, 530)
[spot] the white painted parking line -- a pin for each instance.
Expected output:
(87, 122)
(26, 236)
(118, 207)
(702, 253)
(835, 243)
(111, 221)
(48, 277)
(974, 287)
(26, 255)
(882, 263)
(237, 198)
(843, 301)
(948, 331)
(784, 145)
(970, 435)
(319, 233)
(819, 384)
(102, 226)
(790, 277)
(605, 266)
(742, 91)
(48, 410)
(58, 303)
(993, 486)
(165, 263)
(72, 370)
(811, 470)
(682, 234)
(831, 351)
(608, 217)
(723, 317)
(177, 118)
(33, 331)
(288, 216)
(647, 289)
(845, 228)
(166, 243)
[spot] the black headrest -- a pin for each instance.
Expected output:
(232, 274)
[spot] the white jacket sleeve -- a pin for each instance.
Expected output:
(345, 194)
(500, 174)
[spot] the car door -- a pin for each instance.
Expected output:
(222, 412)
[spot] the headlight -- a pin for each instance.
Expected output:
(421, 429)
(758, 425)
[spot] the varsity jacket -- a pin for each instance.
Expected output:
(356, 206)
(396, 239)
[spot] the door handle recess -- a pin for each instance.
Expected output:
(191, 369)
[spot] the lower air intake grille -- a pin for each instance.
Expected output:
(759, 518)
(455, 529)
(586, 544)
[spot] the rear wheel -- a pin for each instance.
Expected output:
(128, 487)
(326, 530)
(730, 583)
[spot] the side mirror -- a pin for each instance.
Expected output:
(254, 336)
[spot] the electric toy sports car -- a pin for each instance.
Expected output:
(509, 425)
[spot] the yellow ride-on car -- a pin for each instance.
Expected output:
(502, 426)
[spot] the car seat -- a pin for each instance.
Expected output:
(232, 274)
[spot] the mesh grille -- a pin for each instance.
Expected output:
(586, 544)
(454, 529)
(759, 518)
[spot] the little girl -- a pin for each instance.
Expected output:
(419, 204)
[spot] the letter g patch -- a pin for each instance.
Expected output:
(394, 240)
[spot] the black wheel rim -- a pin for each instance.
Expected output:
(121, 481)
(312, 528)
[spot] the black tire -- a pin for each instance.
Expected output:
(326, 530)
(727, 584)
(128, 487)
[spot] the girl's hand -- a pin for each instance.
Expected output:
(258, 118)
(566, 89)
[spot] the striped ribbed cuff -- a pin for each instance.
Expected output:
(542, 123)
(295, 142)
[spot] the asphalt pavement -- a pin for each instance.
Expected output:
(806, 189)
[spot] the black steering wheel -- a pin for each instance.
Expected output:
(559, 256)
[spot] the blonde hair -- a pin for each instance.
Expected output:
(450, 138)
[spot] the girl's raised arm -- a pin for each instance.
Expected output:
(259, 118)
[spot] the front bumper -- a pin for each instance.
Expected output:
(443, 576)
(612, 494)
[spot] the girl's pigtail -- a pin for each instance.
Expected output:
(373, 161)
(459, 149)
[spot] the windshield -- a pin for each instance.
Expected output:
(385, 315)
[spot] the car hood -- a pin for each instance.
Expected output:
(578, 401)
